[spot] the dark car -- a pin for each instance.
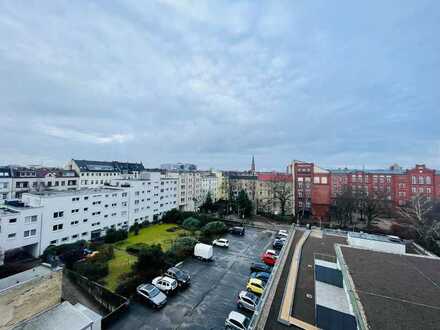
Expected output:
(260, 276)
(237, 231)
(278, 244)
(260, 267)
(183, 278)
(151, 295)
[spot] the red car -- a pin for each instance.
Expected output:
(268, 259)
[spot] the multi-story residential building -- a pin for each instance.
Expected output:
(274, 192)
(238, 181)
(20, 227)
(189, 190)
(93, 174)
(150, 195)
(314, 187)
(5, 184)
(179, 167)
(209, 184)
(26, 179)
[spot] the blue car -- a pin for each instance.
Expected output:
(260, 276)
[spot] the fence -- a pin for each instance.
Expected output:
(112, 303)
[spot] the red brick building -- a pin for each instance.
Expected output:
(314, 187)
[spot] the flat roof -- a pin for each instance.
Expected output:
(396, 291)
(85, 191)
(63, 316)
(381, 238)
(23, 277)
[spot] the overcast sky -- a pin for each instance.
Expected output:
(340, 83)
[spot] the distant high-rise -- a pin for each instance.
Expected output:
(253, 164)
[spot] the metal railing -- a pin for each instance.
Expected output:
(268, 289)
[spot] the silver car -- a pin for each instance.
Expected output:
(247, 300)
(236, 320)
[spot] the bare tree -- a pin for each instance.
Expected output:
(418, 212)
(280, 192)
(371, 205)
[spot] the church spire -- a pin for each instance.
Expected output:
(253, 165)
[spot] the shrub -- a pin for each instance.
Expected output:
(191, 224)
(113, 236)
(106, 252)
(93, 270)
(151, 261)
(404, 231)
(183, 247)
(127, 286)
(136, 248)
(68, 253)
(135, 228)
(214, 228)
(176, 216)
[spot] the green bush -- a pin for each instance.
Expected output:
(191, 224)
(127, 286)
(93, 270)
(106, 252)
(151, 261)
(176, 216)
(183, 247)
(214, 228)
(113, 236)
(136, 248)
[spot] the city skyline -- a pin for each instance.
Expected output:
(356, 87)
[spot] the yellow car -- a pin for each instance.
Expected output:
(255, 285)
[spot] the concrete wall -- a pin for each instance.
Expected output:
(376, 245)
(24, 301)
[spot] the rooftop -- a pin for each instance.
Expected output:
(393, 291)
(64, 315)
(11, 281)
(380, 238)
(63, 193)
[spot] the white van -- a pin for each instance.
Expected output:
(203, 251)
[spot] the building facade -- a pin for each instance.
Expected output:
(209, 184)
(314, 188)
(274, 192)
(179, 167)
(5, 184)
(94, 174)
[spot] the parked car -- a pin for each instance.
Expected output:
(260, 267)
(255, 286)
(237, 231)
(237, 320)
(151, 295)
(166, 284)
(260, 276)
(283, 232)
(183, 278)
(203, 251)
(281, 236)
(272, 252)
(268, 259)
(247, 300)
(223, 242)
(278, 244)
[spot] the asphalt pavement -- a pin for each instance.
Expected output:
(213, 291)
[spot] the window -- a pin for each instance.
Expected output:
(73, 223)
(421, 180)
(84, 234)
(85, 220)
(57, 227)
(14, 220)
(86, 209)
(55, 241)
(428, 180)
(414, 189)
(29, 219)
(324, 180)
(58, 214)
(75, 199)
(75, 236)
(30, 233)
(75, 211)
(12, 235)
(316, 180)
(414, 179)
(124, 194)
(65, 239)
(86, 198)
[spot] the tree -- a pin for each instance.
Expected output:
(344, 206)
(151, 261)
(244, 204)
(214, 228)
(371, 205)
(280, 192)
(208, 205)
(418, 212)
(191, 224)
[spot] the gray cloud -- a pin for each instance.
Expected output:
(215, 82)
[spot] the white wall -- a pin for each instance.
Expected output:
(376, 245)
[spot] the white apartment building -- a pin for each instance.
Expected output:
(150, 195)
(189, 190)
(5, 184)
(69, 216)
(20, 227)
(94, 174)
(210, 184)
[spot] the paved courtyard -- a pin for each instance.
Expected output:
(213, 291)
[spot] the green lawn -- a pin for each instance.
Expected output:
(122, 261)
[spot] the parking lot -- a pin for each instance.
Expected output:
(213, 291)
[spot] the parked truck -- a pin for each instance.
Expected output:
(203, 251)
